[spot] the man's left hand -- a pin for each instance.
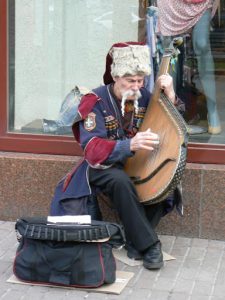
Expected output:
(165, 82)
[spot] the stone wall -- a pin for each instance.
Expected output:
(27, 183)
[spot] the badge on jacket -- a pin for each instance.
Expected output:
(90, 121)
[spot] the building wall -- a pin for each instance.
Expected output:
(27, 185)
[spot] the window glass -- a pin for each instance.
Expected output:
(199, 70)
(57, 51)
(203, 74)
(59, 46)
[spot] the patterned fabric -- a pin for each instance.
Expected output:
(178, 16)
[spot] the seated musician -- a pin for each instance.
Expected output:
(106, 127)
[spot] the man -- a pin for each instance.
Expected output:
(106, 127)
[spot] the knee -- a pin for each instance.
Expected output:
(120, 181)
(201, 46)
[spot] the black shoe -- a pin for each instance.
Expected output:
(132, 252)
(153, 257)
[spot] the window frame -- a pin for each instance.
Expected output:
(64, 145)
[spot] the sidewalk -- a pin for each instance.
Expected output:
(198, 273)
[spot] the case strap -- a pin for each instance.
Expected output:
(55, 233)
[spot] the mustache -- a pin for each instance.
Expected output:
(125, 95)
(128, 93)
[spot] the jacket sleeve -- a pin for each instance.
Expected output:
(99, 150)
(120, 152)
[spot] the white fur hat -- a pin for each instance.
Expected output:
(130, 60)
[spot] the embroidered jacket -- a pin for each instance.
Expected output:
(99, 130)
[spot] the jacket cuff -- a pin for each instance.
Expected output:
(124, 148)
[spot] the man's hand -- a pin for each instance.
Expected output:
(165, 82)
(144, 140)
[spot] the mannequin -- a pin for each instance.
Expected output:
(177, 17)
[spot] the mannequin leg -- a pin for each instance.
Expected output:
(201, 45)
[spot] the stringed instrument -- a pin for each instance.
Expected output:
(157, 173)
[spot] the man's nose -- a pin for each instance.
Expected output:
(135, 86)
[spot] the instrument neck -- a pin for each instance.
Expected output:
(163, 69)
(165, 64)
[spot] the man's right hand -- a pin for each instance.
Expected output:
(144, 140)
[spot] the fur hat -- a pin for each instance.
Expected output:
(130, 58)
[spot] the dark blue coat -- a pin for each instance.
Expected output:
(97, 129)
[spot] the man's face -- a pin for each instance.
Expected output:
(128, 86)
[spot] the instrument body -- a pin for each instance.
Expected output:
(157, 173)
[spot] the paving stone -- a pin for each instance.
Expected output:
(183, 286)
(206, 276)
(169, 271)
(178, 296)
(188, 273)
(197, 253)
(200, 243)
(202, 288)
(164, 284)
(183, 241)
(158, 295)
(219, 290)
(197, 273)
(199, 297)
(180, 251)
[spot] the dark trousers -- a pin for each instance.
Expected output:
(139, 220)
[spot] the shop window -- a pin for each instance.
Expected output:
(198, 71)
(59, 48)
(200, 82)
